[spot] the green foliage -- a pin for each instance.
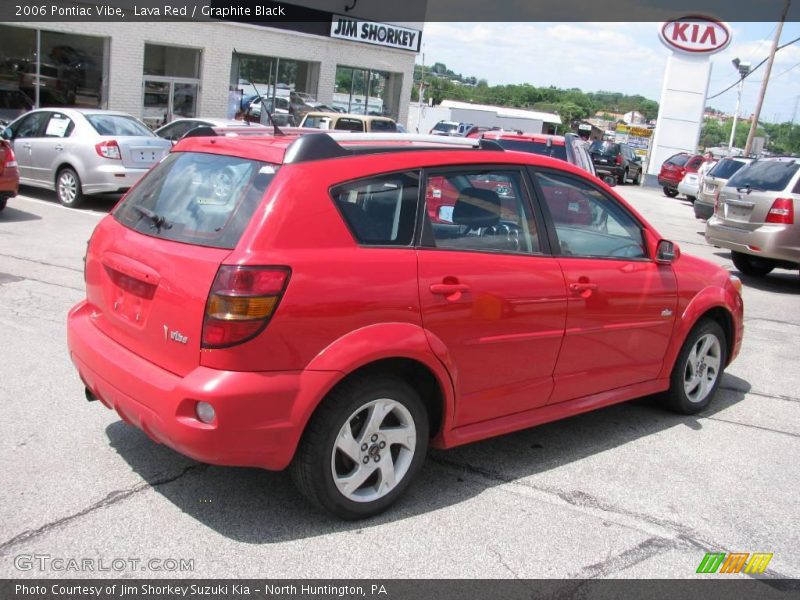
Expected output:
(782, 138)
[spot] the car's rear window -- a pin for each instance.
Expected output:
(317, 122)
(556, 151)
(725, 168)
(766, 175)
(117, 125)
(445, 127)
(378, 125)
(678, 160)
(604, 148)
(197, 198)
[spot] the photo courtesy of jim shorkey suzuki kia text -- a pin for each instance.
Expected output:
(139, 590)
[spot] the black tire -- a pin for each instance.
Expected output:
(670, 192)
(753, 266)
(691, 199)
(317, 458)
(698, 398)
(68, 188)
(3, 202)
(638, 180)
(624, 177)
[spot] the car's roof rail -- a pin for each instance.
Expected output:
(319, 146)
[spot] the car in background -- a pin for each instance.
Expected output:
(756, 216)
(78, 152)
(674, 169)
(282, 301)
(617, 160)
(348, 122)
(569, 147)
(179, 127)
(444, 128)
(715, 180)
(9, 174)
(13, 103)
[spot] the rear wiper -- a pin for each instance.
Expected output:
(746, 189)
(157, 220)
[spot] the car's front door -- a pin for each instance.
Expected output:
(622, 304)
(26, 131)
(493, 300)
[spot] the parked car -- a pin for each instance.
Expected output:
(754, 216)
(714, 180)
(179, 127)
(78, 152)
(689, 186)
(675, 168)
(444, 128)
(9, 174)
(567, 147)
(13, 103)
(271, 302)
(348, 122)
(616, 159)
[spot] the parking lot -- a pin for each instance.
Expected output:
(627, 491)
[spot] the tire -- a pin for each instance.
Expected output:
(670, 192)
(751, 265)
(68, 188)
(703, 352)
(3, 202)
(325, 459)
(638, 180)
(691, 199)
(624, 177)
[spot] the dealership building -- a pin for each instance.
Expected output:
(162, 70)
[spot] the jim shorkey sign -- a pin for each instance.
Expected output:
(692, 40)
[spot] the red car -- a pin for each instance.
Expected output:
(276, 301)
(673, 170)
(9, 174)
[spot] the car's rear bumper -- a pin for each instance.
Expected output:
(703, 210)
(109, 178)
(777, 242)
(602, 169)
(668, 183)
(9, 183)
(259, 416)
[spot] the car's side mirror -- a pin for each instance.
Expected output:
(667, 252)
(8, 133)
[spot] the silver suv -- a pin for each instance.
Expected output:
(754, 216)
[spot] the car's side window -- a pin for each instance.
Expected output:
(482, 210)
(381, 210)
(349, 125)
(30, 125)
(59, 126)
(588, 222)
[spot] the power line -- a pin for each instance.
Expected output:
(754, 69)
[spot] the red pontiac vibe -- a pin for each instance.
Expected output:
(285, 301)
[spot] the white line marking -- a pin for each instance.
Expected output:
(76, 211)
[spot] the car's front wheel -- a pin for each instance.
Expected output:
(670, 192)
(754, 266)
(698, 370)
(362, 447)
(624, 177)
(68, 188)
(3, 202)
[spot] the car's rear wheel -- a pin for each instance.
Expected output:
(3, 202)
(754, 266)
(362, 447)
(690, 198)
(670, 192)
(68, 188)
(698, 370)
(638, 180)
(624, 177)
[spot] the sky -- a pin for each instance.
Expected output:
(617, 57)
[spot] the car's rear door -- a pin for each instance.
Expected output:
(493, 300)
(621, 304)
(150, 265)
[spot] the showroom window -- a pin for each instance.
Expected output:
(171, 83)
(70, 72)
(367, 92)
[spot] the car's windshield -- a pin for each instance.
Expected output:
(118, 125)
(678, 160)
(605, 148)
(445, 126)
(725, 168)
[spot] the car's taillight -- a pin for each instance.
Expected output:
(241, 302)
(108, 149)
(619, 159)
(782, 211)
(11, 160)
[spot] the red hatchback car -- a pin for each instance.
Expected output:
(673, 170)
(276, 301)
(9, 174)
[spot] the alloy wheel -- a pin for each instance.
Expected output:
(702, 368)
(67, 187)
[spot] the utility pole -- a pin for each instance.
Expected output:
(421, 87)
(757, 113)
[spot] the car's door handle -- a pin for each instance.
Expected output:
(448, 289)
(28, 146)
(59, 148)
(582, 287)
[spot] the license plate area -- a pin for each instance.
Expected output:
(737, 213)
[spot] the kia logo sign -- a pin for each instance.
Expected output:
(695, 35)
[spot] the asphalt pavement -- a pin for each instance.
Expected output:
(627, 491)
